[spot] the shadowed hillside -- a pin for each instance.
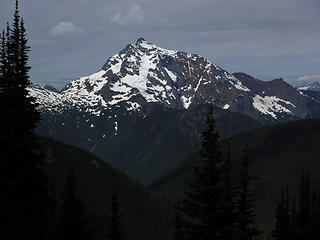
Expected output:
(277, 156)
(96, 180)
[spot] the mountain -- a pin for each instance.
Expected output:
(277, 156)
(314, 86)
(144, 73)
(144, 110)
(300, 105)
(312, 90)
(96, 181)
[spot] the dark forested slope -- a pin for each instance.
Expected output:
(144, 215)
(278, 154)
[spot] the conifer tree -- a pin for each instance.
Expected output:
(6, 71)
(230, 193)
(178, 223)
(23, 206)
(245, 224)
(313, 230)
(115, 219)
(293, 220)
(282, 229)
(317, 217)
(3, 59)
(304, 205)
(301, 224)
(204, 209)
(73, 223)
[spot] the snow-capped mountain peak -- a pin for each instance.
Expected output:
(146, 73)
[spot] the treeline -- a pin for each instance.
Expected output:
(298, 219)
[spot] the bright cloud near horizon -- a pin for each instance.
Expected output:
(267, 39)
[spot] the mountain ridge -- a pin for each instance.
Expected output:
(145, 73)
(313, 86)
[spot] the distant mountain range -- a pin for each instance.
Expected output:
(144, 110)
(314, 86)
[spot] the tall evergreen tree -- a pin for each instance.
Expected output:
(73, 223)
(304, 213)
(116, 218)
(282, 229)
(6, 71)
(293, 221)
(3, 59)
(178, 223)
(204, 209)
(23, 206)
(245, 224)
(230, 193)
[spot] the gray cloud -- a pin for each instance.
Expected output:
(65, 28)
(309, 78)
(133, 15)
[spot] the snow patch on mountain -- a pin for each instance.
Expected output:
(186, 101)
(227, 106)
(115, 128)
(270, 105)
(236, 83)
(172, 75)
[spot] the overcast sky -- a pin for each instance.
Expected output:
(264, 38)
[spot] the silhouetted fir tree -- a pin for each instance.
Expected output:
(268, 235)
(3, 59)
(293, 221)
(72, 223)
(6, 70)
(52, 211)
(314, 223)
(317, 216)
(23, 206)
(301, 224)
(230, 193)
(245, 223)
(304, 206)
(178, 223)
(282, 217)
(115, 233)
(204, 209)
